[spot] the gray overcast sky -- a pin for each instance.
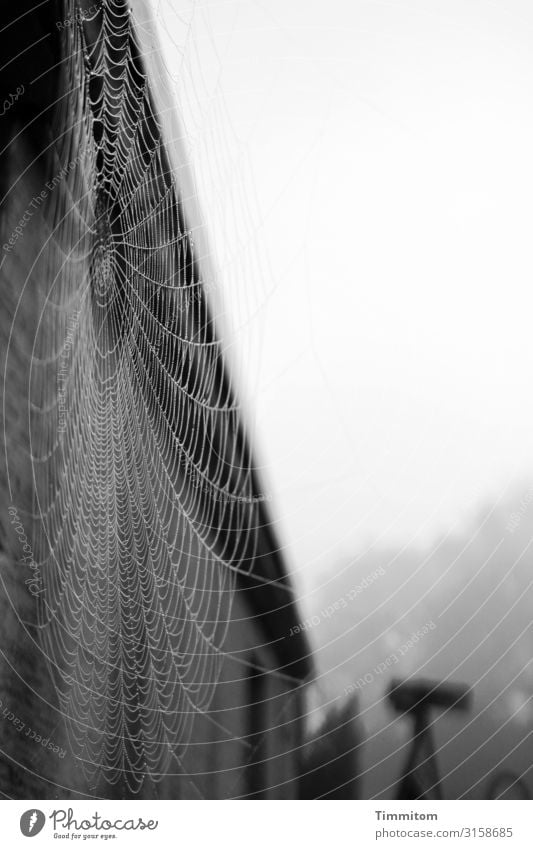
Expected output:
(366, 177)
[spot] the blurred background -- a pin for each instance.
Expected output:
(365, 173)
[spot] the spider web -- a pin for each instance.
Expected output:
(146, 500)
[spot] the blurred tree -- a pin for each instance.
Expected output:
(330, 758)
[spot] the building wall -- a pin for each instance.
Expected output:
(29, 712)
(238, 761)
(218, 762)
